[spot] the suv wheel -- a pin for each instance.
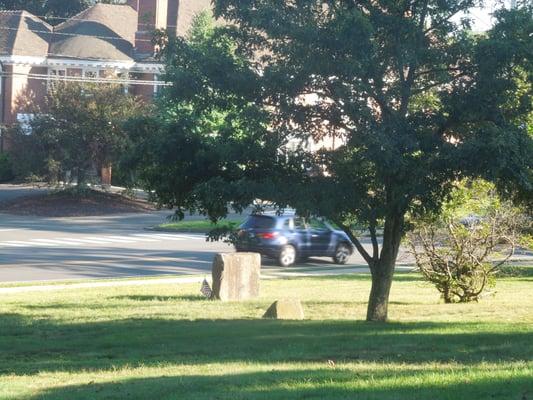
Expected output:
(287, 256)
(342, 254)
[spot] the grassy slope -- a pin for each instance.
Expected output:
(165, 342)
(199, 226)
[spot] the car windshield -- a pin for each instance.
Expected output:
(259, 222)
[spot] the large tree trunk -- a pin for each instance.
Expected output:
(378, 303)
(106, 174)
(383, 269)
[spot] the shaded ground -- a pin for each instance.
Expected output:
(10, 192)
(69, 204)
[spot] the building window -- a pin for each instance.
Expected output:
(124, 76)
(56, 74)
(25, 121)
(90, 73)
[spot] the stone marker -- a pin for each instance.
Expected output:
(285, 309)
(236, 276)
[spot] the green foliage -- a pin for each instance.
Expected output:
(461, 248)
(202, 29)
(81, 128)
(414, 100)
(201, 226)
(510, 271)
(28, 155)
(471, 198)
(203, 140)
(6, 168)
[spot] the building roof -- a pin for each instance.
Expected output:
(103, 31)
(23, 34)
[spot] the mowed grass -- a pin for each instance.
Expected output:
(166, 342)
(198, 226)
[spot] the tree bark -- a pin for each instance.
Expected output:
(378, 303)
(447, 294)
(383, 269)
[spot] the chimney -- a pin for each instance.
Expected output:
(172, 18)
(152, 15)
(133, 4)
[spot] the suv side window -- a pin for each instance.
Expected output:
(318, 224)
(299, 224)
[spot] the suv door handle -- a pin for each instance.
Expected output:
(314, 236)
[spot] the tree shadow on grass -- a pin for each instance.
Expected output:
(334, 383)
(31, 346)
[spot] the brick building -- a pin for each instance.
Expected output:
(104, 40)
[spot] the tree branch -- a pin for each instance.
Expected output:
(358, 245)
(375, 245)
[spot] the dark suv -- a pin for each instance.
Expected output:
(288, 238)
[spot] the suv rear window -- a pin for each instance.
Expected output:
(259, 222)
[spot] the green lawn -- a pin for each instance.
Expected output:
(197, 226)
(166, 342)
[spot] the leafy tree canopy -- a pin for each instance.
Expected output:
(81, 126)
(204, 136)
(415, 102)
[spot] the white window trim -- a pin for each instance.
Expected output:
(52, 77)
(124, 74)
(51, 69)
(24, 120)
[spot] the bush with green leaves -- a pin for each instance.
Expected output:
(462, 249)
(79, 130)
(6, 168)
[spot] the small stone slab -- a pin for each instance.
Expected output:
(236, 276)
(285, 309)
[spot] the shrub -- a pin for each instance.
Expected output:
(460, 251)
(6, 168)
(28, 155)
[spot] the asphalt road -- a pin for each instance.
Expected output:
(37, 249)
(41, 249)
(34, 249)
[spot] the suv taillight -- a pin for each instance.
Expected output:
(268, 235)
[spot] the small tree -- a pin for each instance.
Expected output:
(81, 126)
(417, 99)
(462, 248)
